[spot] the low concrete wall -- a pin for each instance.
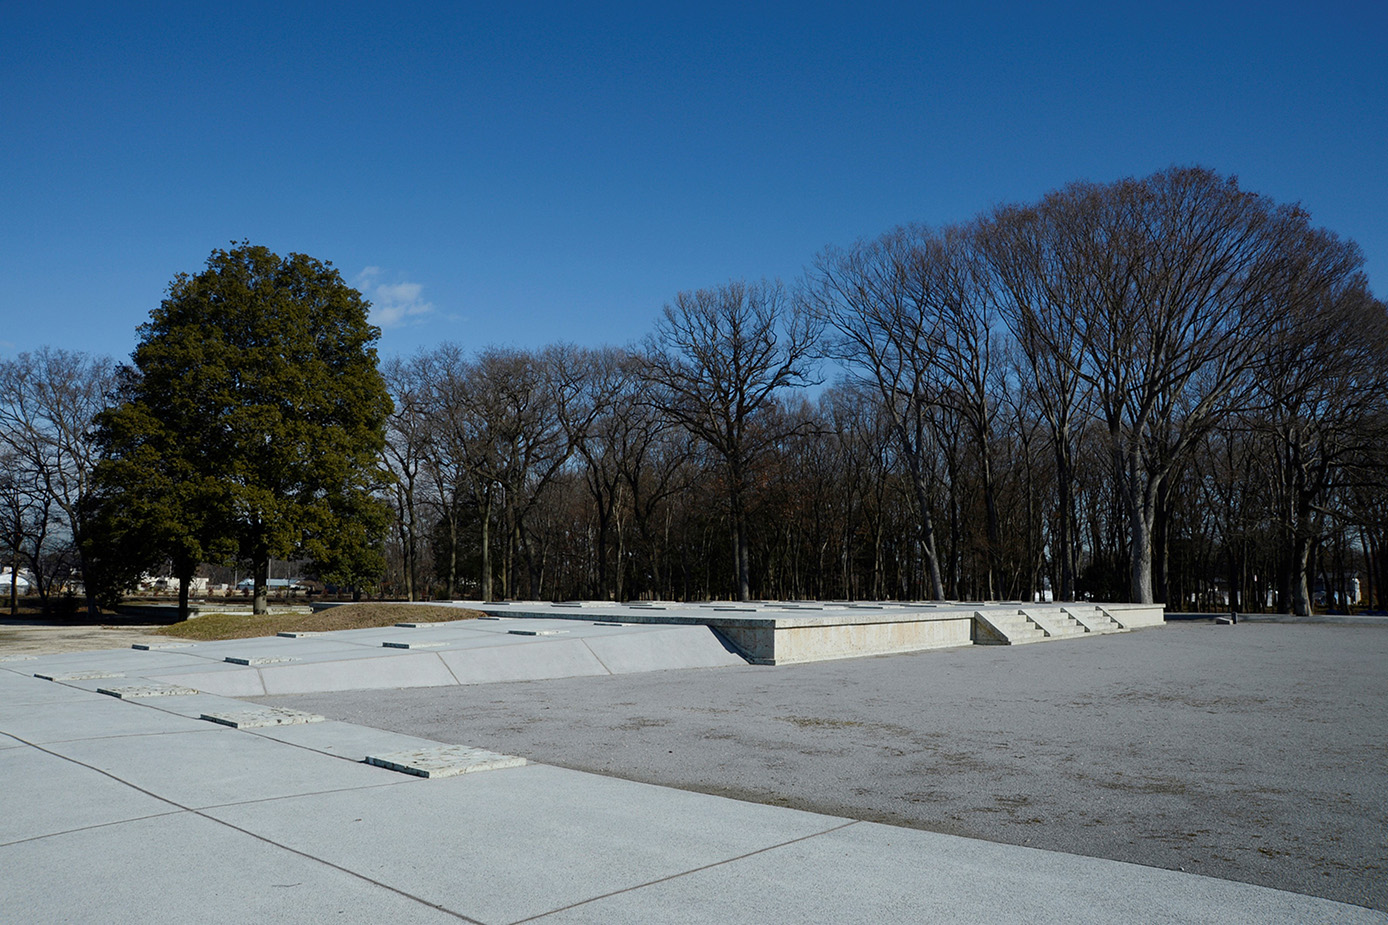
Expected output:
(787, 640)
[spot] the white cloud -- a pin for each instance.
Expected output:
(392, 304)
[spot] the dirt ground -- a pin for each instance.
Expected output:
(25, 635)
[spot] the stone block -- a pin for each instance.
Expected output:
(259, 660)
(149, 689)
(79, 675)
(262, 716)
(444, 761)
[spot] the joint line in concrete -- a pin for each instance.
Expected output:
(685, 873)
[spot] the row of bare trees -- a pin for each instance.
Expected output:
(48, 400)
(1157, 389)
(1164, 388)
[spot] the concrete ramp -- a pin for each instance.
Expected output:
(440, 654)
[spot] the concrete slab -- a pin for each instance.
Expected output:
(93, 717)
(655, 648)
(523, 841)
(436, 761)
(127, 661)
(563, 658)
(186, 868)
(226, 680)
(45, 794)
(194, 705)
(219, 765)
(872, 873)
(260, 717)
(390, 670)
(283, 647)
(144, 691)
(16, 689)
(343, 740)
(77, 675)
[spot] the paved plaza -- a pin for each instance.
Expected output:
(1018, 782)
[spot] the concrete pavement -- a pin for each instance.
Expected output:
(138, 810)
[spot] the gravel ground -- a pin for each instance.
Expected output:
(27, 636)
(1255, 753)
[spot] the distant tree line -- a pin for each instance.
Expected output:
(1164, 389)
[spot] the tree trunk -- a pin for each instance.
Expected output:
(1065, 485)
(185, 578)
(487, 546)
(261, 603)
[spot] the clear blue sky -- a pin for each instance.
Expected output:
(522, 174)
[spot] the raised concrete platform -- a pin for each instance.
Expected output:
(787, 632)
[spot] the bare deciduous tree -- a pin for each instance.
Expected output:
(48, 402)
(721, 356)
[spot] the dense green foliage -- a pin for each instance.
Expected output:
(251, 425)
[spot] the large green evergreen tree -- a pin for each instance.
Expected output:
(251, 425)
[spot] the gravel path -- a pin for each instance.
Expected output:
(1255, 753)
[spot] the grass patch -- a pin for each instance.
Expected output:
(347, 617)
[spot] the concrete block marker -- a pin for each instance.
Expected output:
(259, 660)
(537, 632)
(444, 761)
(79, 675)
(262, 716)
(417, 626)
(412, 645)
(609, 624)
(139, 691)
(154, 646)
(297, 635)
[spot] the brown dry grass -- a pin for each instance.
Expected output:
(347, 617)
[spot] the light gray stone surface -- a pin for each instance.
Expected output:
(279, 827)
(421, 669)
(78, 675)
(435, 761)
(142, 691)
(18, 689)
(221, 765)
(227, 680)
(543, 658)
(256, 717)
(44, 794)
(182, 869)
(872, 873)
(343, 740)
(522, 841)
(91, 716)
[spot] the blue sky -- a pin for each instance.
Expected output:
(521, 174)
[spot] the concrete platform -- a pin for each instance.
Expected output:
(174, 819)
(790, 632)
